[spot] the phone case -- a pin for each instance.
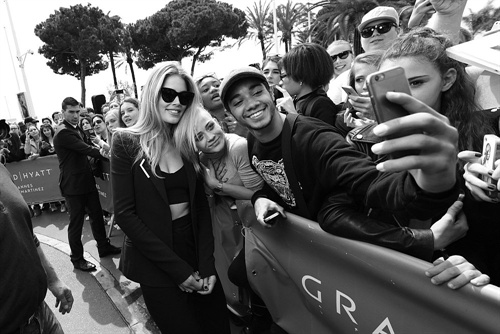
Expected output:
(491, 152)
(379, 83)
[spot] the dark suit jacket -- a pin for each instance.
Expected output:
(75, 172)
(142, 211)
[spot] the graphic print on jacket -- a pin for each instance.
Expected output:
(274, 175)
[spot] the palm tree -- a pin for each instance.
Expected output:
(259, 27)
(126, 56)
(484, 19)
(290, 17)
(339, 19)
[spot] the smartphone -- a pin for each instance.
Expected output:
(349, 90)
(89, 132)
(271, 219)
(379, 84)
(491, 152)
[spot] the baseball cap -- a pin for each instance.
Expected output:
(237, 75)
(30, 120)
(379, 13)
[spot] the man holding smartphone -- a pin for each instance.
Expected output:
(323, 162)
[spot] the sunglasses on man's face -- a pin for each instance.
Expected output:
(98, 121)
(342, 55)
(382, 28)
(168, 95)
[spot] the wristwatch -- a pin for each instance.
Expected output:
(219, 186)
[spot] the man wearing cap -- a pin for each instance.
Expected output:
(379, 28)
(77, 184)
(323, 162)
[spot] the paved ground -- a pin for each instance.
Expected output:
(106, 302)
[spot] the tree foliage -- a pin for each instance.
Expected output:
(73, 42)
(112, 34)
(259, 18)
(484, 19)
(290, 17)
(186, 28)
(339, 19)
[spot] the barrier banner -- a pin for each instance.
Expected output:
(314, 282)
(37, 180)
(104, 187)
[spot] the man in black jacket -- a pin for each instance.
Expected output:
(323, 162)
(78, 186)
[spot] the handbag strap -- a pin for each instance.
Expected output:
(286, 148)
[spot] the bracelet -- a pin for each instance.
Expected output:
(219, 186)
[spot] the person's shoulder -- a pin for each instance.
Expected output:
(235, 141)
(310, 126)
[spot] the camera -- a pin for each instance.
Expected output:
(4, 129)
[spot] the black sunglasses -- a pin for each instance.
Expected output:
(342, 55)
(382, 28)
(168, 95)
(97, 121)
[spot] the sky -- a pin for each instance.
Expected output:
(47, 89)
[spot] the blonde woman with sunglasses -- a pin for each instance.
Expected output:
(161, 206)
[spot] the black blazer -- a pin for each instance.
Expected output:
(76, 176)
(142, 211)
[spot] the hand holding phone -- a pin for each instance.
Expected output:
(491, 152)
(272, 219)
(379, 84)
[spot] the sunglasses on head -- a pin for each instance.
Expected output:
(342, 55)
(168, 95)
(382, 28)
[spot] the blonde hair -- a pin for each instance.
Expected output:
(154, 134)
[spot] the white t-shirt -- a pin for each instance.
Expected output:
(335, 91)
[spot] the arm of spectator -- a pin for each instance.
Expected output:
(27, 145)
(425, 130)
(72, 141)
(448, 17)
(285, 103)
(451, 227)
(420, 9)
(263, 207)
(228, 189)
(339, 216)
(473, 170)
(456, 272)
(64, 297)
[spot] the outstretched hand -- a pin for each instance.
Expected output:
(474, 172)
(425, 131)
(451, 227)
(264, 207)
(456, 272)
(64, 297)
(286, 102)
